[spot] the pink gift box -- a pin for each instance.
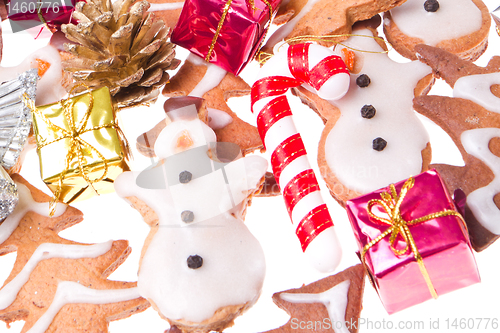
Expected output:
(241, 33)
(443, 243)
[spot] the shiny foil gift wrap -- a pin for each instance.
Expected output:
(25, 14)
(80, 146)
(425, 251)
(226, 33)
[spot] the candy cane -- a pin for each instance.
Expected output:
(318, 69)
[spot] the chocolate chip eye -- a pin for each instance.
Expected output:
(195, 261)
(379, 144)
(185, 177)
(187, 216)
(368, 111)
(363, 81)
(431, 6)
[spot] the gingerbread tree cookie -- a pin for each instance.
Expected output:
(332, 304)
(50, 271)
(472, 120)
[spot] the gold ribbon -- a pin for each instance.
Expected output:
(262, 57)
(223, 18)
(76, 143)
(40, 16)
(391, 203)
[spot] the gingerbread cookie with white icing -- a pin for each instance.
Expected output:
(200, 266)
(166, 10)
(365, 144)
(324, 18)
(198, 78)
(472, 120)
(457, 26)
(332, 304)
(51, 271)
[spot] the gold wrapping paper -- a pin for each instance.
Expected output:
(80, 147)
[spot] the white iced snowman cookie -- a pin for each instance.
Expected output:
(201, 267)
(372, 136)
(457, 26)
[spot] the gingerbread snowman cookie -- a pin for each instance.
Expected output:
(366, 141)
(458, 26)
(201, 267)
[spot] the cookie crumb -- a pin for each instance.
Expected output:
(185, 177)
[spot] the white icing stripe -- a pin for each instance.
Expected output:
(279, 132)
(212, 78)
(156, 7)
(335, 300)
(218, 119)
(476, 88)
(46, 251)
(305, 205)
(480, 201)
(26, 204)
(453, 19)
(287, 28)
(71, 292)
(294, 168)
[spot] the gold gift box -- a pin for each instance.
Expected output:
(81, 149)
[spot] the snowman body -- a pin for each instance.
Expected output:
(201, 257)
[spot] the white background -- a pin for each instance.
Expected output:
(109, 217)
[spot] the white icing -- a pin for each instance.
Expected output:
(335, 87)
(156, 7)
(218, 119)
(348, 146)
(335, 300)
(213, 76)
(71, 292)
(476, 88)
(480, 201)
(26, 203)
(233, 262)
(453, 19)
(46, 251)
(287, 28)
(49, 89)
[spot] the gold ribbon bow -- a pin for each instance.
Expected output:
(76, 143)
(223, 18)
(391, 203)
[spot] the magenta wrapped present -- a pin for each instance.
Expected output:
(26, 14)
(410, 238)
(226, 33)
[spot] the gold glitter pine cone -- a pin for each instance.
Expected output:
(120, 46)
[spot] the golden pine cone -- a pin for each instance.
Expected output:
(122, 47)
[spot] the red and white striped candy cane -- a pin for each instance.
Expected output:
(317, 68)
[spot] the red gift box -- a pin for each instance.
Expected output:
(411, 252)
(242, 30)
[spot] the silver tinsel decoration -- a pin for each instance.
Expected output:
(15, 116)
(8, 194)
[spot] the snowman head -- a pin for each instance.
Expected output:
(185, 130)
